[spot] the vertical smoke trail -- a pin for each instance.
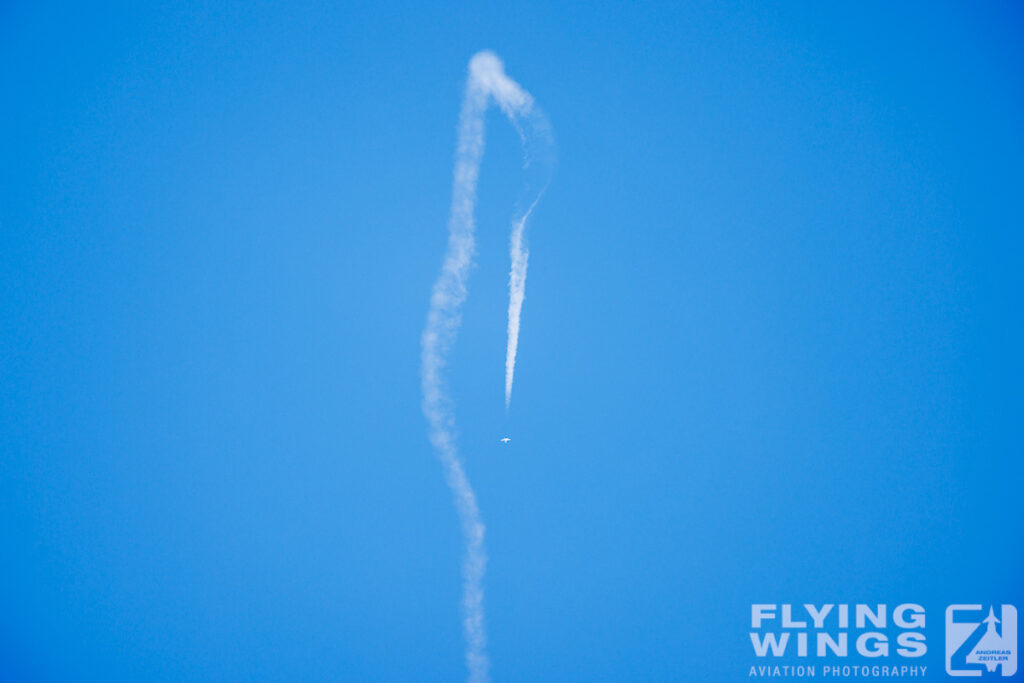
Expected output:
(538, 149)
(516, 293)
(487, 80)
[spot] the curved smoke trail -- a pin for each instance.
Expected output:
(487, 80)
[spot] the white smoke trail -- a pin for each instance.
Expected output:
(486, 80)
(519, 256)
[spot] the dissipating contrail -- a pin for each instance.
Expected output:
(486, 82)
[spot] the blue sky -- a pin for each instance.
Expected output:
(769, 353)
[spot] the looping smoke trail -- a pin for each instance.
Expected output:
(486, 80)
